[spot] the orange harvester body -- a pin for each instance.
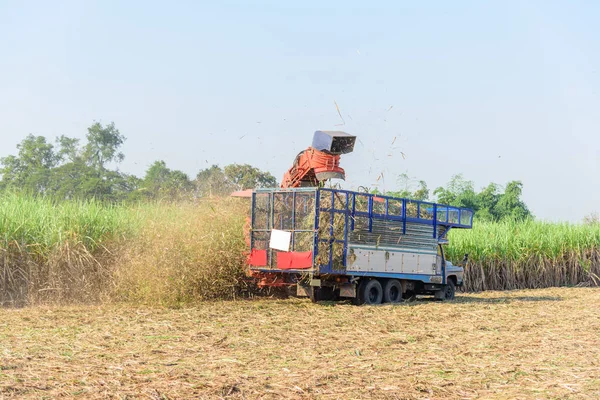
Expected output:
(309, 166)
(321, 161)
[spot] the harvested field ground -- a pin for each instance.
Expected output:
(518, 344)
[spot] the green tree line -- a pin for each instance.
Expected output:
(492, 203)
(71, 169)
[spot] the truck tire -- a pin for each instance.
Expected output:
(392, 291)
(372, 292)
(358, 300)
(314, 293)
(449, 290)
(323, 293)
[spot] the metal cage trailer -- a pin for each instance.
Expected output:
(332, 243)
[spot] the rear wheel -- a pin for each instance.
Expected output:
(372, 292)
(315, 294)
(358, 300)
(323, 293)
(392, 291)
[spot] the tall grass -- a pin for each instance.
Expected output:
(160, 253)
(86, 251)
(530, 254)
(185, 253)
(58, 251)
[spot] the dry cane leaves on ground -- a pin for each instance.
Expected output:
(519, 344)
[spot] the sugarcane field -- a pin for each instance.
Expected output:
(299, 200)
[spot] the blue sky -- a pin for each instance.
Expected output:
(497, 91)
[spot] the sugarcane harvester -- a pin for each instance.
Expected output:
(321, 161)
(330, 243)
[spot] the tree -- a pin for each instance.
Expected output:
(68, 149)
(212, 182)
(30, 168)
(77, 180)
(83, 170)
(69, 170)
(103, 143)
(459, 193)
(487, 200)
(248, 177)
(162, 182)
(510, 205)
(411, 188)
(215, 181)
(489, 204)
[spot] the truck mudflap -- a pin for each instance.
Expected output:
(348, 290)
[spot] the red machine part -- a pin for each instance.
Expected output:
(269, 279)
(285, 259)
(312, 166)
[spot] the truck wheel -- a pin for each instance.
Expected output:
(372, 292)
(329, 293)
(449, 290)
(315, 294)
(358, 300)
(392, 291)
(323, 293)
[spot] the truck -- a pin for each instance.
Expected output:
(332, 243)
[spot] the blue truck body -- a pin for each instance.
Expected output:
(335, 239)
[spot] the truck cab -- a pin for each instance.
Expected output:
(454, 275)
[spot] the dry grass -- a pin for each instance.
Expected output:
(88, 252)
(185, 253)
(527, 344)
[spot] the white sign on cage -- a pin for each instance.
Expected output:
(280, 240)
